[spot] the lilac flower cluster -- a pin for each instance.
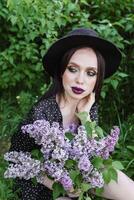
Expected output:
(107, 144)
(22, 166)
(83, 146)
(52, 139)
(71, 128)
(56, 149)
(94, 177)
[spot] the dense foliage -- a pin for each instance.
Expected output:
(28, 27)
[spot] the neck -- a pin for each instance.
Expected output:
(68, 108)
(67, 102)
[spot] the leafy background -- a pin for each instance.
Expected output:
(28, 27)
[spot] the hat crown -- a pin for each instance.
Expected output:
(83, 31)
(82, 37)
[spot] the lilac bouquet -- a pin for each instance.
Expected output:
(77, 158)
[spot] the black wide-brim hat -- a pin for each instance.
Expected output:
(82, 37)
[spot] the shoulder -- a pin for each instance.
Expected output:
(43, 103)
(45, 108)
(42, 107)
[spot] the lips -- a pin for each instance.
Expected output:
(77, 90)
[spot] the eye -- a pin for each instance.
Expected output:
(71, 69)
(91, 73)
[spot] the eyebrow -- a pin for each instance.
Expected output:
(88, 68)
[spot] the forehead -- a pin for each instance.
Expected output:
(84, 57)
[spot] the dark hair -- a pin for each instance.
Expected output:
(57, 86)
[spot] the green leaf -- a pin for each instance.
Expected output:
(97, 162)
(78, 180)
(99, 191)
(88, 129)
(36, 154)
(69, 135)
(106, 176)
(71, 7)
(109, 174)
(114, 83)
(107, 162)
(113, 173)
(130, 147)
(34, 181)
(70, 164)
(74, 174)
(117, 165)
(103, 94)
(58, 190)
(84, 2)
(93, 124)
(88, 198)
(13, 19)
(85, 187)
(123, 75)
(99, 131)
(82, 116)
(81, 196)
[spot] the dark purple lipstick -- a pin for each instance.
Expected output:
(77, 90)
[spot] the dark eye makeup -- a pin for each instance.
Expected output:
(89, 72)
(71, 68)
(92, 73)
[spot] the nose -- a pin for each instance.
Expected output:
(80, 78)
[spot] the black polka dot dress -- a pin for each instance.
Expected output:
(46, 108)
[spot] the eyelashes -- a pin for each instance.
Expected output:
(92, 73)
(89, 72)
(72, 69)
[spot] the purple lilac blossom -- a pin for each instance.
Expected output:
(94, 177)
(23, 167)
(84, 164)
(17, 157)
(78, 143)
(90, 148)
(53, 169)
(71, 128)
(107, 144)
(66, 181)
(60, 154)
(112, 139)
(51, 138)
(56, 149)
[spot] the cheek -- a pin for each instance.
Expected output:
(91, 84)
(67, 78)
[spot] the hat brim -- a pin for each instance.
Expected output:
(109, 51)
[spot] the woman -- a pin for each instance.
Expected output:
(78, 63)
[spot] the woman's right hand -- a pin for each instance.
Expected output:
(86, 103)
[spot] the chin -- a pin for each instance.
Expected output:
(77, 96)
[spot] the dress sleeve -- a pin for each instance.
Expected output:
(94, 113)
(22, 142)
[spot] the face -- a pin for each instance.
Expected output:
(80, 75)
